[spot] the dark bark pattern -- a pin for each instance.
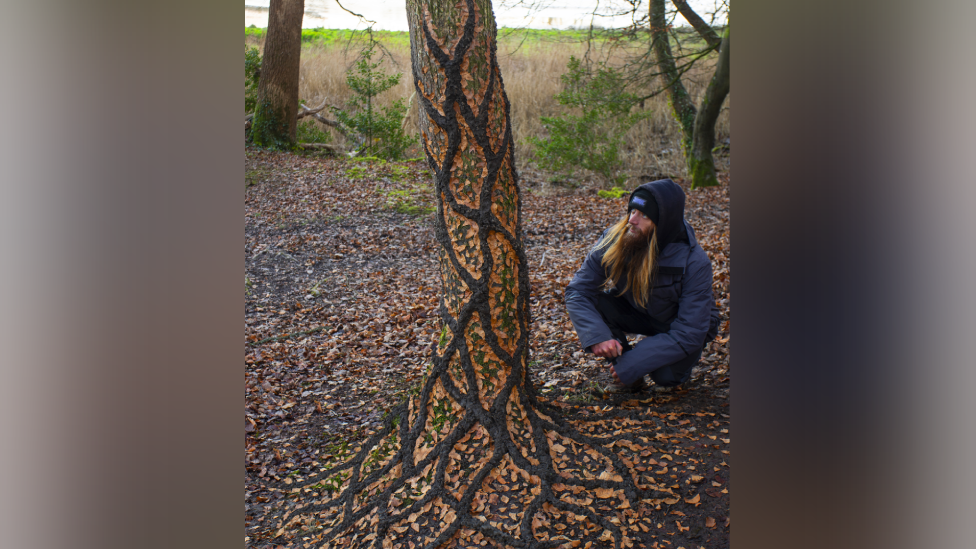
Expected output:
(477, 458)
(275, 116)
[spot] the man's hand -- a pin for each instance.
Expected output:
(610, 348)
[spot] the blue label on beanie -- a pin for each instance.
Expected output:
(639, 201)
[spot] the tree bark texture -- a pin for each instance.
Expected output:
(477, 458)
(697, 125)
(678, 98)
(275, 116)
(465, 129)
(701, 163)
(699, 24)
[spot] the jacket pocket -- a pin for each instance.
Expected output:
(663, 304)
(667, 287)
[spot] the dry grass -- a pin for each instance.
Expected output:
(531, 74)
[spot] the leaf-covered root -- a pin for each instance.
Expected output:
(597, 477)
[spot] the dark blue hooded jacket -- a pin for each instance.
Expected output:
(681, 298)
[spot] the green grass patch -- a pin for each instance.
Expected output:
(341, 38)
(411, 197)
(412, 201)
(255, 176)
(513, 37)
(615, 192)
(357, 172)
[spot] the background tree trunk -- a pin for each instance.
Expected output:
(697, 125)
(701, 165)
(681, 103)
(698, 23)
(275, 116)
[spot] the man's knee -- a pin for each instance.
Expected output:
(677, 373)
(667, 377)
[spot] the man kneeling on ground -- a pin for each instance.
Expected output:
(646, 275)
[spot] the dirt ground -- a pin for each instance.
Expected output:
(340, 319)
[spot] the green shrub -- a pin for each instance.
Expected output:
(252, 70)
(592, 139)
(380, 129)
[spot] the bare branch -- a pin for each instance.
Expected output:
(320, 147)
(307, 111)
(357, 15)
(698, 23)
(314, 113)
(324, 120)
(405, 116)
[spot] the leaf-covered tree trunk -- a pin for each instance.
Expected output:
(697, 125)
(275, 116)
(464, 125)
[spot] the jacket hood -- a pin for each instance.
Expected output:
(671, 210)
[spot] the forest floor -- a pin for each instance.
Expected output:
(340, 320)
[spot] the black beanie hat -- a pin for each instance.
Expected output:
(643, 200)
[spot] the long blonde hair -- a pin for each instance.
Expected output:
(638, 277)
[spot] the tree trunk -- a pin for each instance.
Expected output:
(699, 24)
(681, 103)
(275, 116)
(467, 135)
(701, 165)
(697, 125)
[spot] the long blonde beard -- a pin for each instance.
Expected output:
(622, 264)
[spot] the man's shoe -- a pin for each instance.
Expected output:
(615, 388)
